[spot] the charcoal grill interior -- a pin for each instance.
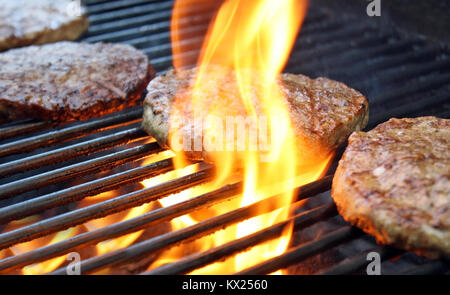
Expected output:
(46, 168)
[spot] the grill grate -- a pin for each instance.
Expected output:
(39, 160)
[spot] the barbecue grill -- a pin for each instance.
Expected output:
(47, 168)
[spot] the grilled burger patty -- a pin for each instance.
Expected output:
(324, 112)
(66, 80)
(393, 182)
(26, 22)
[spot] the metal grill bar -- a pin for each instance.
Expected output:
(334, 47)
(144, 221)
(367, 66)
(164, 37)
(134, 16)
(304, 251)
(72, 151)
(198, 260)
(142, 31)
(114, 5)
(90, 166)
(370, 55)
(95, 19)
(24, 128)
(126, 23)
(347, 58)
(409, 108)
(189, 233)
(81, 191)
(102, 209)
(353, 264)
(68, 133)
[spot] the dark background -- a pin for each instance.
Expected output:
(425, 17)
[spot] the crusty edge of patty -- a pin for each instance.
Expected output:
(379, 222)
(14, 110)
(157, 125)
(68, 31)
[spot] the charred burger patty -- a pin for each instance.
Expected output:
(323, 112)
(66, 80)
(393, 182)
(26, 22)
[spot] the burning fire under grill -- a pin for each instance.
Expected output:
(104, 193)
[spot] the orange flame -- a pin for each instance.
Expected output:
(42, 267)
(247, 46)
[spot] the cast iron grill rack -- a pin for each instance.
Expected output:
(401, 76)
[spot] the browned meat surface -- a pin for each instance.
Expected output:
(26, 22)
(393, 182)
(324, 112)
(66, 80)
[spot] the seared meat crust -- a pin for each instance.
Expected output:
(27, 22)
(324, 112)
(393, 182)
(66, 80)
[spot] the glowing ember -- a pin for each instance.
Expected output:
(249, 41)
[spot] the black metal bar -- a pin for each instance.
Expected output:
(326, 26)
(162, 63)
(142, 15)
(422, 85)
(410, 89)
(301, 252)
(141, 31)
(102, 209)
(143, 221)
(79, 169)
(166, 49)
(319, 36)
(111, 17)
(72, 151)
(94, 2)
(189, 233)
(198, 260)
(322, 37)
(403, 110)
(136, 21)
(72, 132)
(308, 57)
(164, 37)
(81, 191)
(129, 33)
(356, 263)
(395, 76)
(388, 62)
(28, 127)
(98, 8)
(343, 58)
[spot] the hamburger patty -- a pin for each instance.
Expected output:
(393, 182)
(323, 112)
(26, 22)
(66, 80)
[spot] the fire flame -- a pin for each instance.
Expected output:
(45, 266)
(249, 41)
